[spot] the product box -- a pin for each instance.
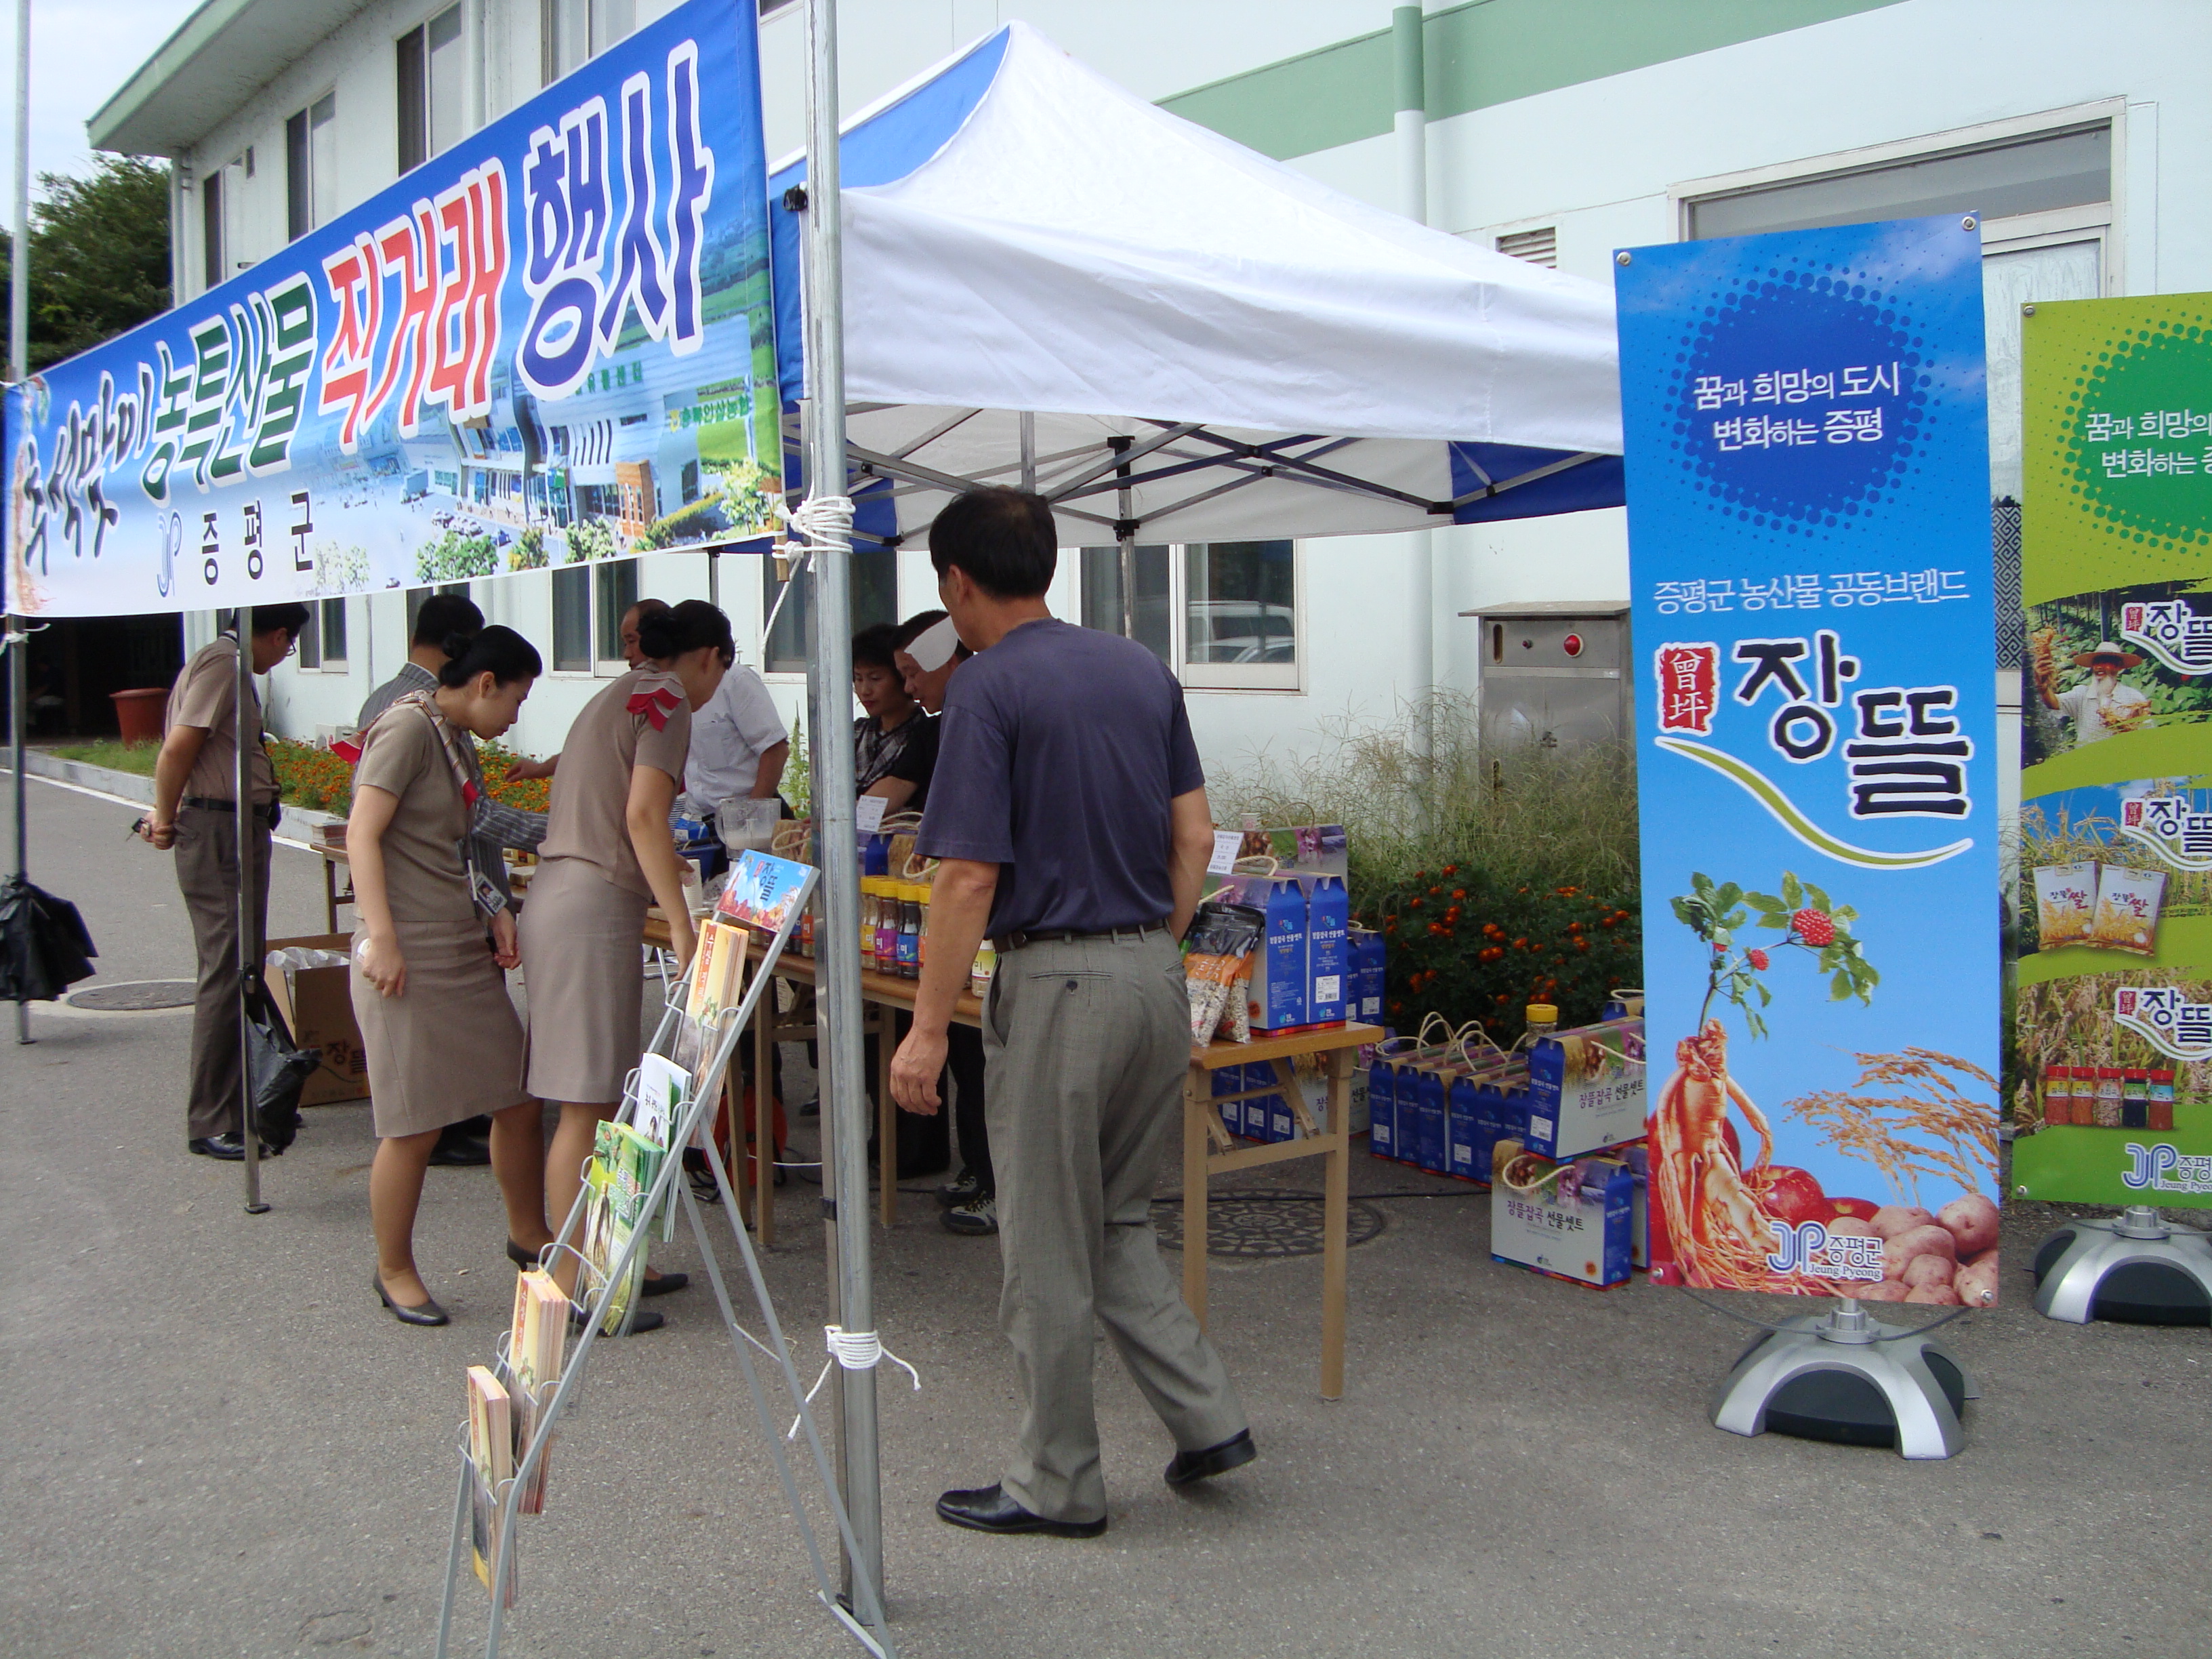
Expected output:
(1383, 1106)
(1328, 960)
(1230, 1080)
(1588, 1089)
(317, 1003)
(1428, 1146)
(1279, 987)
(1571, 1221)
(1637, 1156)
(1480, 1107)
(1365, 950)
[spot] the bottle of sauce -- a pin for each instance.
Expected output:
(2135, 1098)
(985, 964)
(871, 921)
(2158, 1109)
(921, 940)
(887, 924)
(907, 948)
(1543, 1021)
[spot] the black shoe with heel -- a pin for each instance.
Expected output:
(422, 1313)
(1231, 1454)
(987, 1509)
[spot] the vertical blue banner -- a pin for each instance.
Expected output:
(1808, 471)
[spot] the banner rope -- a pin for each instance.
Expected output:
(856, 1351)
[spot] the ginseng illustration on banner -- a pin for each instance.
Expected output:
(2113, 1009)
(552, 344)
(1809, 561)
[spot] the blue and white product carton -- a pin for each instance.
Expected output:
(1230, 1080)
(1383, 1106)
(1429, 1112)
(1588, 1089)
(1280, 985)
(1501, 1113)
(1637, 1156)
(1368, 963)
(1571, 1221)
(1328, 956)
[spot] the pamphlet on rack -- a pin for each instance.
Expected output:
(491, 1460)
(536, 1339)
(765, 891)
(623, 1167)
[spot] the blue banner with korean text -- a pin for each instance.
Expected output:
(552, 344)
(1807, 472)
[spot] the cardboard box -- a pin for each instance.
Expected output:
(1588, 1089)
(317, 1003)
(1571, 1221)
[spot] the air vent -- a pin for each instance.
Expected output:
(1538, 247)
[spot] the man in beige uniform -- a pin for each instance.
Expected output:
(195, 811)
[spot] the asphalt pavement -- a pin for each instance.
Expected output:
(219, 1444)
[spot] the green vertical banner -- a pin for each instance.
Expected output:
(2114, 1032)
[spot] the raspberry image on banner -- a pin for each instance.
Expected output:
(1815, 928)
(1757, 959)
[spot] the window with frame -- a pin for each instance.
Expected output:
(311, 166)
(322, 642)
(213, 242)
(417, 595)
(1223, 616)
(571, 33)
(432, 88)
(874, 599)
(2042, 187)
(588, 603)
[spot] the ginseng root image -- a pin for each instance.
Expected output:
(1886, 1196)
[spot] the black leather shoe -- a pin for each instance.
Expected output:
(987, 1509)
(230, 1148)
(1231, 1454)
(666, 1282)
(459, 1152)
(422, 1313)
(644, 1319)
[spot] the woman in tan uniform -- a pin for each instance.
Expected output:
(607, 854)
(428, 988)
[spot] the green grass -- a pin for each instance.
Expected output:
(116, 755)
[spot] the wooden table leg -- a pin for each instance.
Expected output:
(1336, 1223)
(765, 1150)
(1197, 1101)
(886, 1114)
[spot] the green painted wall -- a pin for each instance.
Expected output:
(1489, 52)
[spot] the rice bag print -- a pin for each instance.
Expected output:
(2128, 904)
(2065, 903)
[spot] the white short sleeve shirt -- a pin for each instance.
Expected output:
(729, 735)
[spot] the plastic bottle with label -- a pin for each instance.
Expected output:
(909, 946)
(985, 964)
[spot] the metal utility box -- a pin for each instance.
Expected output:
(1555, 672)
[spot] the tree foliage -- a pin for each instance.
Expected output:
(99, 256)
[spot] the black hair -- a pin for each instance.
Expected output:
(446, 614)
(920, 624)
(674, 629)
(290, 618)
(1005, 540)
(915, 626)
(644, 608)
(873, 646)
(501, 652)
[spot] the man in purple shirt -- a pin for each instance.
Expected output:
(1070, 813)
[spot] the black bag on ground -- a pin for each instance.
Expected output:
(279, 1069)
(44, 946)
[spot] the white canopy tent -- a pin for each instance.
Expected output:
(1264, 356)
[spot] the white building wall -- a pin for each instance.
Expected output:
(1598, 161)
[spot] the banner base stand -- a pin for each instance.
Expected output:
(2134, 1268)
(1846, 1377)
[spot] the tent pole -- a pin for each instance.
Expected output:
(19, 352)
(248, 944)
(1029, 452)
(839, 972)
(1125, 534)
(1410, 126)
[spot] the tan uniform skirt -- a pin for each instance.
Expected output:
(451, 1045)
(586, 982)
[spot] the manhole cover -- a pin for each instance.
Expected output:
(1263, 1226)
(134, 997)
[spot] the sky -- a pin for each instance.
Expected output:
(80, 51)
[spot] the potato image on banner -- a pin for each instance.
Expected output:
(2128, 904)
(2065, 903)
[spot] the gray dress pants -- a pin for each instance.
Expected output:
(1086, 1042)
(207, 875)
